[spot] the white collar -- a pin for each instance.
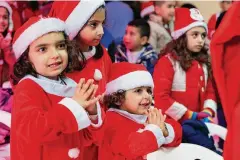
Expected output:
(90, 53)
(140, 119)
(55, 87)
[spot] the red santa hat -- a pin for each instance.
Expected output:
(75, 13)
(10, 26)
(186, 19)
(125, 76)
(147, 7)
(34, 28)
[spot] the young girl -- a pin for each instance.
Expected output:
(45, 124)
(84, 20)
(132, 127)
(7, 58)
(86, 32)
(182, 76)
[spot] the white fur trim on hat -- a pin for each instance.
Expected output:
(146, 11)
(73, 153)
(36, 30)
(80, 15)
(129, 81)
(176, 34)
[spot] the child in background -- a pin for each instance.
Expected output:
(224, 5)
(135, 47)
(84, 20)
(159, 15)
(7, 58)
(182, 76)
(51, 112)
(133, 128)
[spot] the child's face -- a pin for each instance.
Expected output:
(137, 100)
(48, 54)
(166, 11)
(196, 38)
(225, 5)
(3, 19)
(92, 32)
(133, 40)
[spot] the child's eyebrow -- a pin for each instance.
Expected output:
(198, 32)
(45, 44)
(94, 20)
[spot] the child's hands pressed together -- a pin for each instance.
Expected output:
(85, 95)
(156, 117)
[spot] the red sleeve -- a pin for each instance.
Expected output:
(163, 79)
(34, 118)
(177, 132)
(210, 99)
(131, 145)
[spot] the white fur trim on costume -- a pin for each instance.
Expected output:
(176, 34)
(97, 75)
(140, 119)
(55, 87)
(38, 29)
(73, 153)
(171, 134)
(147, 11)
(176, 111)
(130, 81)
(157, 133)
(209, 103)
(80, 15)
(179, 78)
(205, 70)
(98, 116)
(78, 111)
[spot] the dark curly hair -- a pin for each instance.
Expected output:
(24, 67)
(180, 52)
(115, 100)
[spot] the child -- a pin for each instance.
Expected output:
(182, 75)
(135, 47)
(224, 5)
(84, 20)
(7, 58)
(45, 124)
(86, 32)
(132, 127)
(160, 23)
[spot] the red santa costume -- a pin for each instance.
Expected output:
(76, 14)
(125, 135)
(225, 49)
(46, 123)
(176, 90)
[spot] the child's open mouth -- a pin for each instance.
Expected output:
(54, 64)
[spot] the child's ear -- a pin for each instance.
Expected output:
(144, 40)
